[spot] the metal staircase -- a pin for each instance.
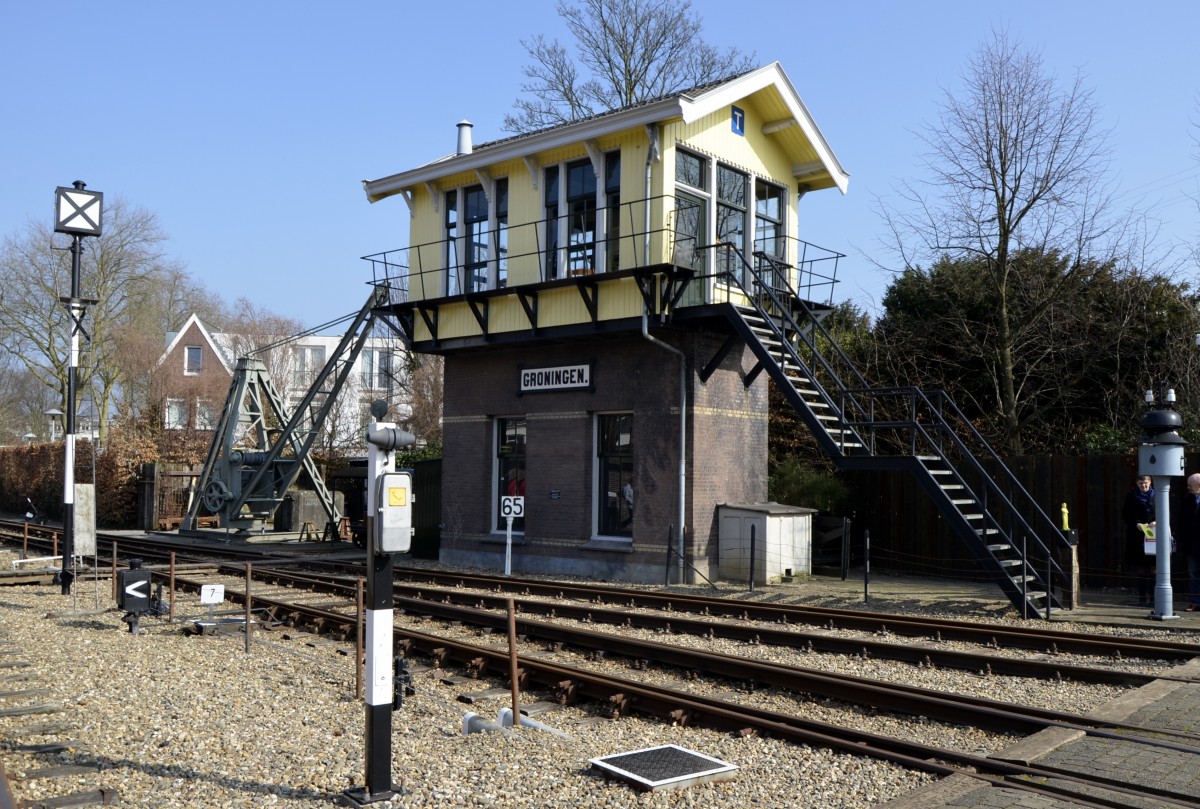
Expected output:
(906, 428)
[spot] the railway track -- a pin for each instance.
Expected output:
(447, 598)
(1033, 637)
(616, 696)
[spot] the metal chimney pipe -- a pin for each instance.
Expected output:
(464, 137)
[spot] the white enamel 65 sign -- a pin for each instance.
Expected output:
(512, 507)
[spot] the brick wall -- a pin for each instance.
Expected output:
(726, 453)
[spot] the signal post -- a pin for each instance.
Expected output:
(389, 531)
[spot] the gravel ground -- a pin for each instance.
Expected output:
(170, 719)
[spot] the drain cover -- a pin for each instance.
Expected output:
(666, 767)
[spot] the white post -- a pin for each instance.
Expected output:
(508, 549)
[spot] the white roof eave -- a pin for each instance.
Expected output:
(522, 147)
(771, 75)
(680, 106)
(204, 332)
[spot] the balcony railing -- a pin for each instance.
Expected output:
(599, 241)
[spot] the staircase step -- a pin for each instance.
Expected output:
(785, 332)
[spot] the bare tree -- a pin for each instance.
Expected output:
(170, 299)
(23, 403)
(629, 51)
(1017, 163)
(118, 269)
(254, 331)
(426, 375)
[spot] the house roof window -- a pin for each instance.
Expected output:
(193, 360)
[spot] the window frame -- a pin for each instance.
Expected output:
(779, 225)
(206, 416)
(375, 367)
(477, 239)
(307, 361)
(584, 190)
(450, 225)
(730, 209)
(608, 503)
(516, 460)
(697, 197)
(172, 407)
(190, 368)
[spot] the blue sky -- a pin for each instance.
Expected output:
(248, 127)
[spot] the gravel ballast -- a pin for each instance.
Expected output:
(171, 719)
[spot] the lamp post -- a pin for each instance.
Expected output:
(29, 438)
(1160, 455)
(77, 212)
(55, 414)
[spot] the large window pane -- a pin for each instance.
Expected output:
(691, 169)
(510, 466)
(731, 218)
(581, 218)
(690, 218)
(453, 266)
(551, 251)
(193, 360)
(307, 362)
(177, 413)
(615, 495)
(475, 223)
(502, 233)
(769, 233)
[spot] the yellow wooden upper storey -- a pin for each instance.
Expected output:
(777, 142)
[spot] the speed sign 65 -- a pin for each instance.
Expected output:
(512, 506)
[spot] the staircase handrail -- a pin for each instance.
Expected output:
(1015, 490)
(871, 393)
(770, 291)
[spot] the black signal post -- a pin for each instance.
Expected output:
(76, 212)
(389, 529)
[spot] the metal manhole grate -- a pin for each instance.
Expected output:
(666, 767)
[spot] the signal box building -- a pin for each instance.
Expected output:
(601, 293)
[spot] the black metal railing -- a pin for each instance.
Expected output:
(904, 422)
(613, 239)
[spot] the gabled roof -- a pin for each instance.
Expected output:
(219, 351)
(780, 99)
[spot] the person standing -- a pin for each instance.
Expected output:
(1138, 510)
(1187, 537)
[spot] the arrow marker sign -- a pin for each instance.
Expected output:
(135, 589)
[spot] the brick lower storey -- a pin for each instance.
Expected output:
(724, 443)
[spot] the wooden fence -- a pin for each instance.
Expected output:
(907, 533)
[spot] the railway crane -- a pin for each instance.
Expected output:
(259, 448)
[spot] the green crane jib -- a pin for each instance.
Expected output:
(250, 465)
